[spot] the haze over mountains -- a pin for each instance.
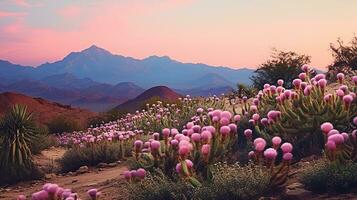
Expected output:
(98, 80)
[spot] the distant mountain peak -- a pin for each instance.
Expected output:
(95, 49)
(155, 57)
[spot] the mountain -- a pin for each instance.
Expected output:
(68, 80)
(10, 72)
(44, 111)
(162, 92)
(206, 92)
(102, 66)
(210, 80)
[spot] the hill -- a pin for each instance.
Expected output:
(44, 111)
(161, 92)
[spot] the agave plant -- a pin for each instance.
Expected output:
(17, 131)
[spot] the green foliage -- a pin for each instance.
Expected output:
(62, 124)
(91, 155)
(235, 182)
(282, 65)
(105, 117)
(43, 141)
(159, 187)
(18, 131)
(345, 57)
(325, 176)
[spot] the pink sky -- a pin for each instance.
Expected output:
(230, 33)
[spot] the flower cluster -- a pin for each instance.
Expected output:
(52, 191)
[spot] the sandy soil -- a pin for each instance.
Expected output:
(107, 180)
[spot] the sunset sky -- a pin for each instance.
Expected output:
(235, 33)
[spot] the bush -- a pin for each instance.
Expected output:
(62, 124)
(159, 187)
(18, 131)
(235, 182)
(90, 155)
(324, 176)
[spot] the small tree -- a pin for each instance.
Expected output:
(345, 57)
(281, 65)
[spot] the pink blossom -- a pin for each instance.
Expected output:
(196, 137)
(206, 135)
(155, 145)
(280, 82)
(141, 173)
(326, 127)
(336, 138)
(270, 153)
(205, 149)
(248, 133)
(166, 132)
(236, 118)
(276, 141)
(225, 130)
(224, 121)
(287, 156)
(330, 145)
(286, 147)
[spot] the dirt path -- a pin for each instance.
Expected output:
(107, 180)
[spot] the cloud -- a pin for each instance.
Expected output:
(11, 14)
(69, 11)
(21, 3)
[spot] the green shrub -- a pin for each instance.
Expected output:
(17, 132)
(62, 124)
(159, 187)
(325, 176)
(235, 182)
(91, 155)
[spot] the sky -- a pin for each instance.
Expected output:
(234, 33)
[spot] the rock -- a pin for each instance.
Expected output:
(82, 170)
(91, 184)
(102, 165)
(49, 176)
(100, 169)
(118, 161)
(74, 181)
(298, 194)
(294, 186)
(7, 190)
(114, 164)
(70, 174)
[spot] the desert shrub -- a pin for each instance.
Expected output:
(235, 182)
(159, 187)
(325, 176)
(105, 117)
(17, 132)
(90, 155)
(62, 124)
(43, 141)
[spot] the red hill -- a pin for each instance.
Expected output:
(161, 92)
(44, 111)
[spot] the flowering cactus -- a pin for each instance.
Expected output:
(296, 115)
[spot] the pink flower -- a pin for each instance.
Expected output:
(205, 149)
(287, 156)
(354, 79)
(225, 130)
(190, 125)
(336, 138)
(21, 197)
(233, 128)
(330, 145)
(340, 77)
(138, 144)
(155, 145)
(322, 83)
(296, 83)
(302, 76)
(226, 114)
(264, 121)
(270, 153)
(184, 150)
(345, 136)
(260, 146)
(189, 164)
(276, 141)
(166, 132)
(199, 110)
(196, 128)
(127, 175)
(196, 137)
(307, 90)
(340, 93)
(92, 193)
(256, 117)
(141, 173)
(52, 188)
(355, 120)
(347, 99)
(248, 133)
(326, 127)
(305, 68)
(280, 82)
(286, 147)
(206, 135)
(236, 118)
(333, 132)
(224, 121)
(251, 154)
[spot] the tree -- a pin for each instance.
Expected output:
(17, 131)
(345, 57)
(281, 65)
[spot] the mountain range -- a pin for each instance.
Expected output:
(98, 80)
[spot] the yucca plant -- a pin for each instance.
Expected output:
(17, 131)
